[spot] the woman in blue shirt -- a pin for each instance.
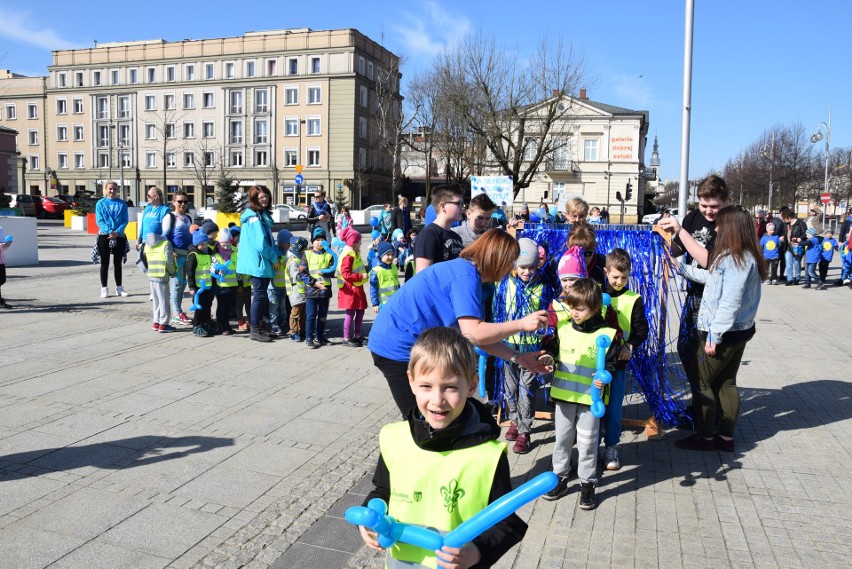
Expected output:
(111, 217)
(450, 294)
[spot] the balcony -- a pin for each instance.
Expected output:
(560, 165)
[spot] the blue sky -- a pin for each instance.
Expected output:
(757, 63)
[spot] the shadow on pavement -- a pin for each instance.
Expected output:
(113, 455)
(18, 305)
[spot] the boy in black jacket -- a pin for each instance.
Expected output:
(444, 464)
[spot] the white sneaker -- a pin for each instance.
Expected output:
(612, 461)
(119, 291)
(847, 281)
(104, 292)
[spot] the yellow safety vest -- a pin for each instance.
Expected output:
(438, 490)
(388, 282)
(357, 267)
(244, 280)
(156, 256)
(623, 305)
(279, 279)
(230, 279)
(316, 263)
(562, 311)
(512, 309)
(289, 284)
(202, 269)
(575, 366)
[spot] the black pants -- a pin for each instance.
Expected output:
(224, 306)
(823, 270)
(773, 269)
(688, 340)
(201, 317)
(2, 277)
(782, 262)
(397, 378)
(117, 254)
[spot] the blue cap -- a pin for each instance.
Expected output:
(234, 229)
(284, 236)
(298, 244)
(199, 237)
(319, 233)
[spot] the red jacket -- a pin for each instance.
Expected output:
(351, 296)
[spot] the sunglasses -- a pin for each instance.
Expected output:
(181, 201)
(588, 253)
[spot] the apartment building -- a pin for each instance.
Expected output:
(255, 108)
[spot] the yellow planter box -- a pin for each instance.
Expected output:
(68, 213)
(131, 231)
(223, 219)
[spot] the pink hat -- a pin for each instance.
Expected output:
(572, 264)
(350, 236)
(542, 254)
(770, 226)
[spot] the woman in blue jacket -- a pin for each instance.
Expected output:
(258, 254)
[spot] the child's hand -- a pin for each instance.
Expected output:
(276, 265)
(455, 558)
(320, 285)
(624, 354)
(375, 309)
(369, 538)
(192, 291)
(598, 383)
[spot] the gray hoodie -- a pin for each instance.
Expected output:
(151, 240)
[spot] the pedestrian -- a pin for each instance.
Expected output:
(401, 216)
(318, 290)
(771, 243)
(760, 223)
(829, 246)
(199, 280)
(386, 221)
(576, 209)
(181, 239)
(5, 243)
(351, 277)
(242, 294)
(320, 214)
(436, 243)
(384, 277)
(726, 324)
(478, 219)
(154, 215)
(815, 220)
(344, 219)
(796, 229)
(111, 218)
(297, 271)
(161, 268)
(225, 281)
(812, 245)
(449, 439)
(279, 294)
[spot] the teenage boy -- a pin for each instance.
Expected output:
(436, 243)
(478, 219)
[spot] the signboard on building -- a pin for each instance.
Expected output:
(498, 188)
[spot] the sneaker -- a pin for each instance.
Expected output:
(847, 281)
(199, 331)
(612, 460)
(276, 330)
(726, 445)
(242, 325)
(166, 328)
(512, 433)
(310, 344)
(155, 327)
(359, 342)
(227, 332)
(774, 282)
(788, 283)
(807, 286)
(296, 337)
(104, 292)
(522, 444)
(821, 286)
(587, 496)
(119, 291)
(322, 341)
(180, 319)
(695, 442)
(766, 281)
(348, 343)
(561, 489)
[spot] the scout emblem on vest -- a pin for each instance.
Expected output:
(452, 493)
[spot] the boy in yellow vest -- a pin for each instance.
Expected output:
(225, 286)
(297, 272)
(161, 267)
(318, 295)
(384, 277)
(197, 272)
(571, 389)
(630, 311)
(443, 464)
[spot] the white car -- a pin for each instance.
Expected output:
(295, 213)
(652, 217)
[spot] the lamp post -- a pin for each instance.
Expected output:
(739, 164)
(608, 174)
(767, 151)
(299, 161)
(109, 143)
(816, 137)
(121, 167)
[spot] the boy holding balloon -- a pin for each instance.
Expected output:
(444, 464)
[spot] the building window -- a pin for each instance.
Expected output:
(207, 129)
(314, 95)
(188, 159)
(113, 77)
(261, 101)
(261, 131)
(169, 101)
(236, 133)
(150, 131)
(362, 158)
(361, 65)
(189, 72)
(150, 159)
(96, 78)
(78, 132)
(32, 111)
(103, 160)
(61, 133)
(250, 72)
(208, 71)
(531, 149)
(362, 127)
(313, 126)
(209, 158)
(364, 97)
(370, 70)
(103, 136)
(78, 79)
(236, 158)
(315, 65)
(313, 156)
(236, 102)
(62, 79)
(124, 107)
(271, 67)
(62, 160)
(261, 158)
(188, 100)
(150, 102)
(102, 106)
(291, 126)
(207, 100)
(189, 130)
(79, 160)
(152, 74)
(590, 150)
(34, 162)
(292, 66)
(124, 135)
(61, 107)
(229, 70)
(124, 159)
(290, 157)
(170, 73)
(170, 160)
(77, 105)
(11, 113)
(133, 76)
(291, 96)
(32, 137)
(170, 130)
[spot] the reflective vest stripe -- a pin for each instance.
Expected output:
(357, 267)
(316, 263)
(230, 279)
(156, 256)
(289, 285)
(576, 369)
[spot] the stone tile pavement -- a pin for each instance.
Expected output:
(124, 448)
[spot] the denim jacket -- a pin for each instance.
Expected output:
(731, 296)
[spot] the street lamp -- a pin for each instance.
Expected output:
(299, 161)
(816, 137)
(121, 167)
(767, 151)
(608, 174)
(739, 164)
(109, 160)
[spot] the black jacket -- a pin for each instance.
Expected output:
(474, 427)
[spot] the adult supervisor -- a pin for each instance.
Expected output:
(450, 294)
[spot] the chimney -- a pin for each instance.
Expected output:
(583, 94)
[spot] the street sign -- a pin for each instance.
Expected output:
(299, 179)
(825, 198)
(298, 168)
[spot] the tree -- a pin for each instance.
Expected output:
(341, 199)
(389, 118)
(164, 122)
(206, 159)
(520, 111)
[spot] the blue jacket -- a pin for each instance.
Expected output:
(258, 251)
(813, 249)
(152, 215)
(111, 215)
(731, 296)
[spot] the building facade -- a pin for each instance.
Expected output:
(254, 108)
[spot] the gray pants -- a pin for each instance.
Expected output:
(571, 419)
(160, 303)
(519, 389)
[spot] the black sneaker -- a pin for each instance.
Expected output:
(311, 344)
(561, 489)
(587, 496)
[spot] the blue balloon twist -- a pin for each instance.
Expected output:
(195, 301)
(598, 408)
(329, 270)
(8, 239)
(483, 357)
(374, 517)
(220, 271)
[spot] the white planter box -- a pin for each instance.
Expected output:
(281, 215)
(24, 232)
(79, 222)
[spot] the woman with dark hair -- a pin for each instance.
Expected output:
(450, 294)
(736, 268)
(258, 255)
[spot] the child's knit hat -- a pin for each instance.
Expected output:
(350, 236)
(199, 237)
(770, 226)
(528, 257)
(224, 236)
(811, 231)
(284, 236)
(384, 247)
(298, 245)
(397, 234)
(210, 226)
(572, 264)
(319, 233)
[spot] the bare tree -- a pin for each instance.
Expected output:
(164, 123)
(389, 118)
(205, 161)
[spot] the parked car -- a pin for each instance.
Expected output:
(296, 214)
(652, 217)
(50, 207)
(25, 203)
(67, 198)
(374, 211)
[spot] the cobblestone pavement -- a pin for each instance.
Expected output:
(124, 448)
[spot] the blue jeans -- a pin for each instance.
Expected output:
(177, 285)
(612, 417)
(279, 307)
(317, 311)
(810, 273)
(794, 265)
(259, 300)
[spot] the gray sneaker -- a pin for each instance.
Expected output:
(612, 460)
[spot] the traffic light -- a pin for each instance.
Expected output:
(618, 196)
(629, 191)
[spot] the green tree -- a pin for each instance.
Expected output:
(225, 190)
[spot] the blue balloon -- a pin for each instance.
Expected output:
(329, 270)
(338, 244)
(374, 517)
(374, 221)
(8, 239)
(553, 211)
(534, 218)
(220, 271)
(603, 342)
(375, 233)
(196, 305)
(542, 213)
(483, 355)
